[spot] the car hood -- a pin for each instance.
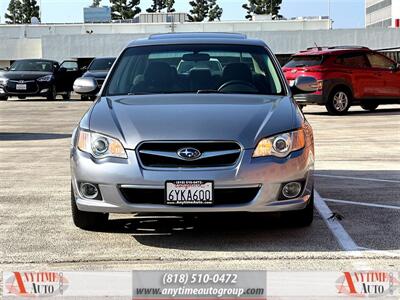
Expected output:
(24, 75)
(242, 118)
(96, 74)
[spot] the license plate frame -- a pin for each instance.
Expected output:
(21, 87)
(189, 187)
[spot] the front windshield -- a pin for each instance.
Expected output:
(101, 64)
(32, 65)
(234, 69)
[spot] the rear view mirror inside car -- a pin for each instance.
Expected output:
(196, 57)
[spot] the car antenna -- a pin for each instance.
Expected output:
(318, 48)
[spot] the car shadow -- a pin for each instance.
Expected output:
(379, 111)
(31, 136)
(229, 232)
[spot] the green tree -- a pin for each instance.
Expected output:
(96, 3)
(124, 9)
(214, 11)
(160, 5)
(262, 7)
(14, 14)
(199, 11)
(30, 9)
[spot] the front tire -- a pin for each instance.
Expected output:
(369, 106)
(66, 96)
(52, 95)
(87, 220)
(300, 218)
(3, 98)
(339, 101)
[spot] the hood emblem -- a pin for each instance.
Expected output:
(21, 81)
(188, 153)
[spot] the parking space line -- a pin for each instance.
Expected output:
(362, 203)
(358, 178)
(341, 235)
(343, 238)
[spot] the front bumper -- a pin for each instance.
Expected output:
(318, 99)
(266, 173)
(34, 88)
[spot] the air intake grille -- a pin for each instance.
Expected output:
(211, 154)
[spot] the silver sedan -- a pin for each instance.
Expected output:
(163, 139)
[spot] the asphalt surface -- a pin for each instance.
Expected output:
(358, 161)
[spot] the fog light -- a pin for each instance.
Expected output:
(89, 190)
(2, 91)
(291, 190)
(44, 91)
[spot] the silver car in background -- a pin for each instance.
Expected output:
(161, 140)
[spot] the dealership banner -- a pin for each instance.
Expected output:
(152, 285)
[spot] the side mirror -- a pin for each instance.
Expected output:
(304, 85)
(85, 85)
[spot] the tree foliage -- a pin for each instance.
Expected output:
(214, 11)
(124, 9)
(262, 7)
(96, 3)
(161, 5)
(203, 9)
(21, 12)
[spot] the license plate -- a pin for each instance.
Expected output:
(189, 192)
(21, 87)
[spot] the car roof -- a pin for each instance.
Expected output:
(37, 59)
(337, 50)
(196, 38)
(105, 57)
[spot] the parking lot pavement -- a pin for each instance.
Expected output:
(357, 161)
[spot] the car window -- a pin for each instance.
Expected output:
(353, 60)
(379, 61)
(195, 69)
(304, 61)
(32, 65)
(101, 64)
(70, 65)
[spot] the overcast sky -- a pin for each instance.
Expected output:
(345, 13)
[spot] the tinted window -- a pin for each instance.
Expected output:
(357, 60)
(380, 61)
(32, 65)
(70, 65)
(194, 69)
(304, 61)
(101, 64)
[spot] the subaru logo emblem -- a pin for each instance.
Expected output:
(189, 153)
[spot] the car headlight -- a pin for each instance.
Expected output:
(280, 145)
(99, 145)
(3, 81)
(46, 78)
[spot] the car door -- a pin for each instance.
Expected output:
(384, 68)
(66, 75)
(364, 82)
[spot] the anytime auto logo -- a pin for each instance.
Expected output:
(35, 284)
(367, 284)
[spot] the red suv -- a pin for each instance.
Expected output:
(346, 76)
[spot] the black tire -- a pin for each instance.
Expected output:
(21, 97)
(369, 106)
(52, 95)
(300, 218)
(84, 98)
(87, 220)
(3, 98)
(92, 98)
(66, 96)
(339, 101)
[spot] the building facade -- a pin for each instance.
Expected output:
(382, 13)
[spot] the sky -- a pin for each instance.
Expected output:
(345, 13)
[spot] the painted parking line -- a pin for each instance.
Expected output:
(362, 203)
(344, 239)
(358, 178)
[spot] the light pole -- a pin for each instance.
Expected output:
(329, 14)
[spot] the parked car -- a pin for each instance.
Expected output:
(98, 69)
(346, 76)
(162, 142)
(38, 77)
